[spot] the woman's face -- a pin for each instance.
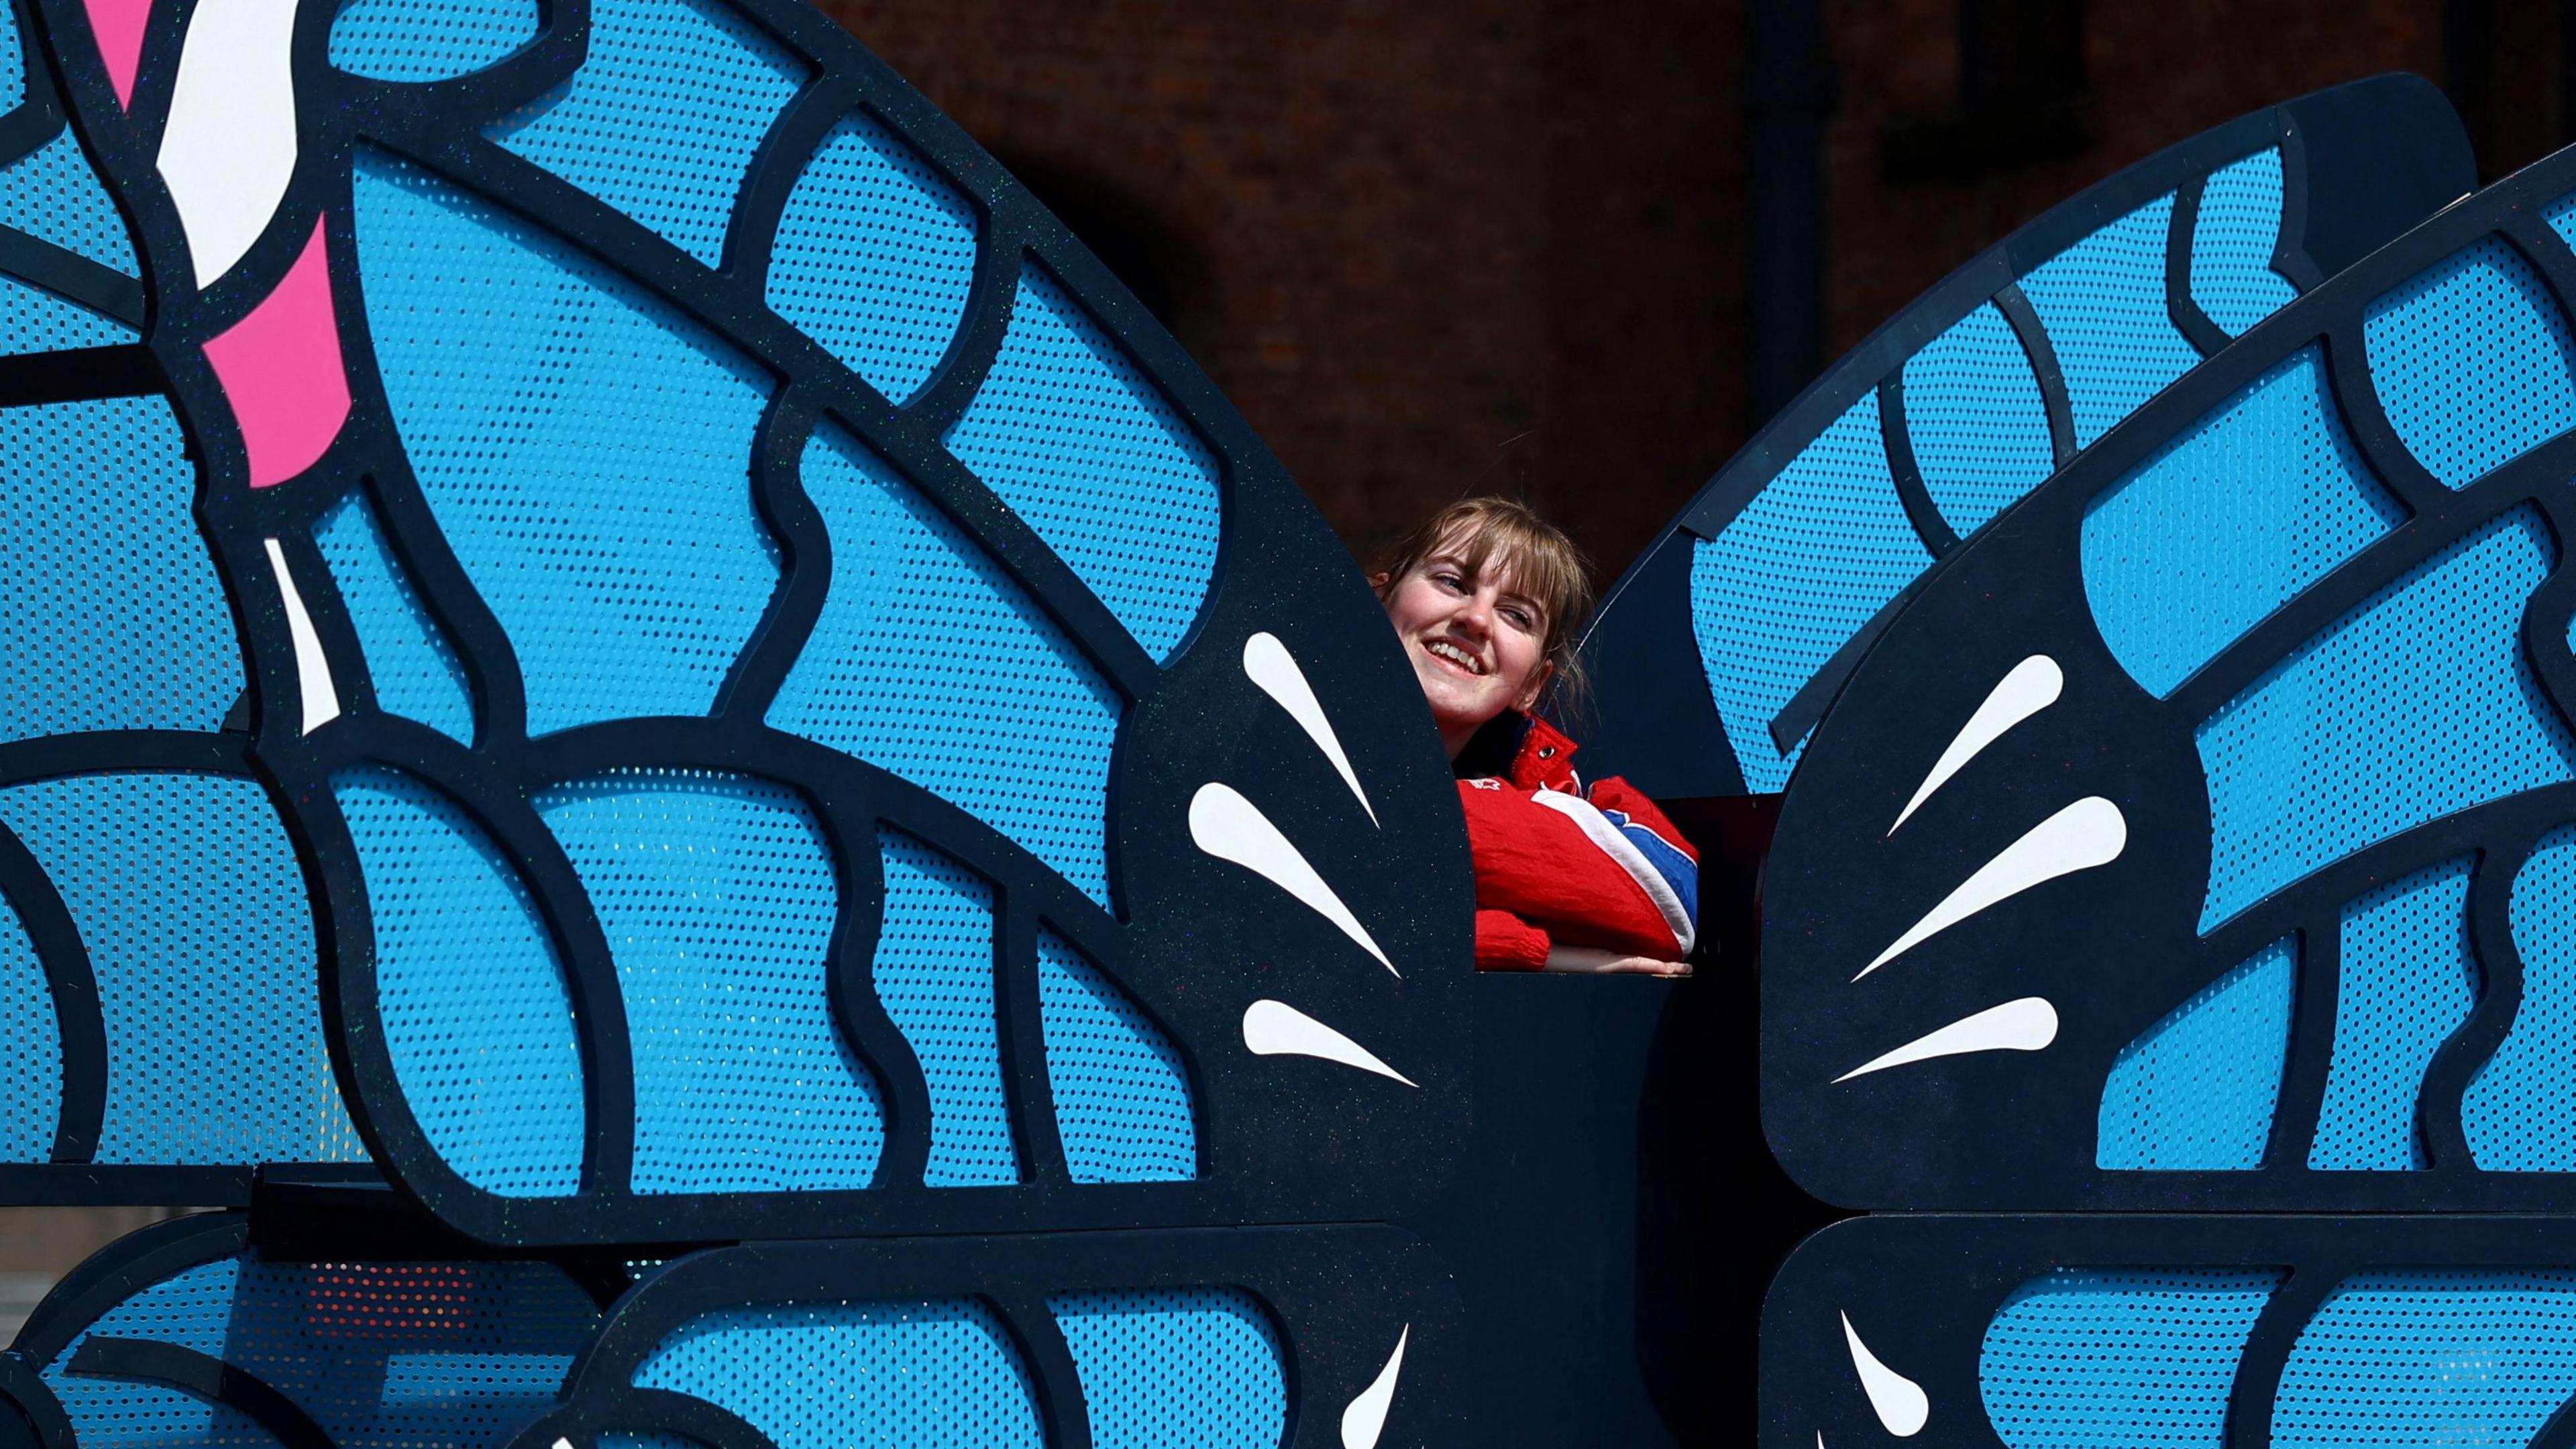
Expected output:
(1477, 644)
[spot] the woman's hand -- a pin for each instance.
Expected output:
(1592, 960)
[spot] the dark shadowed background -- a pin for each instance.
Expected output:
(1577, 250)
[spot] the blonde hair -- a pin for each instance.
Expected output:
(1507, 536)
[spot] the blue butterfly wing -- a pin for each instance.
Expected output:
(2227, 792)
(2172, 1330)
(1724, 644)
(794, 695)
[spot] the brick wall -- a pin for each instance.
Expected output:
(1447, 244)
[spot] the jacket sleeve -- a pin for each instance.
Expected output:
(1505, 942)
(1585, 875)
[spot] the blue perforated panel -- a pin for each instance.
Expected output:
(874, 257)
(477, 1021)
(631, 579)
(928, 662)
(54, 196)
(2232, 281)
(1122, 1097)
(2356, 735)
(381, 1355)
(2248, 507)
(2472, 362)
(1782, 586)
(2197, 1089)
(2090, 1358)
(107, 595)
(717, 898)
(190, 1309)
(32, 320)
(2519, 1113)
(2406, 983)
(1176, 1368)
(428, 40)
(2102, 301)
(32, 1044)
(415, 673)
(2461, 1360)
(662, 121)
(934, 975)
(13, 62)
(935, 1375)
(1977, 422)
(187, 897)
(1088, 451)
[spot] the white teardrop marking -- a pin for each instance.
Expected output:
(1267, 663)
(1898, 1401)
(1229, 827)
(2088, 833)
(1365, 1419)
(2026, 1025)
(228, 147)
(1274, 1028)
(312, 667)
(2032, 685)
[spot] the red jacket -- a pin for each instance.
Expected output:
(1557, 864)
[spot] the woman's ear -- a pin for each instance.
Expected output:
(1378, 582)
(1537, 686)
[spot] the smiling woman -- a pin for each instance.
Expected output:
(1487, 598)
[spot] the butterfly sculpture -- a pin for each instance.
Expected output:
(2197, 840)
(624, 633)
(2224, 784)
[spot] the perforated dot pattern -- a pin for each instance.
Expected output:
(2102, 302)
(109, 600)
(630, 581)
(1808, 561)
(1122, 1098)
(53, 195)
(874, 256)
(932, 1375)
(662, 120)
(381, 1355)
(2406, 982)
(2417, 703)
(13, 63)
(1977, 422)
(1176, 1368)
(190, 1309)
(2196, 1091)
(2092, 1358)
(2232, 281)
(408, 40)
(477, 1022)
(30, 1040)
(414, 672)
(2517, 1113)
(2230, 520)
(1092, 456)
(186, 894)
(33, 320)
(928, 662)
(934, 974)
(717, 897)
(2472, 362)
(2465, 1360)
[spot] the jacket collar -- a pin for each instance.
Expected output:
(1529, 752)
